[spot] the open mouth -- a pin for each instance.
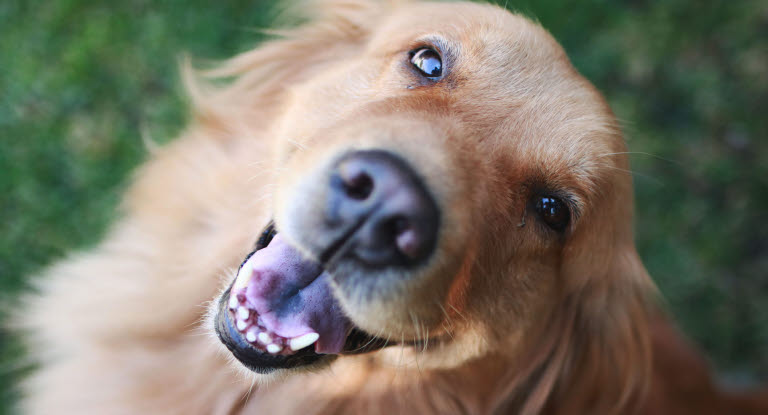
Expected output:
(280, 312)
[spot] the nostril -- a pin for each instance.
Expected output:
(357, 183)
(407, 239)
(400, 225)
(401, 232)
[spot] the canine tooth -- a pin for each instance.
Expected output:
(243, 313)
(243, 277)
(300, 342)
(233, 303)
(241, 325)
(274, 348)
(265, 338)
(251, 335)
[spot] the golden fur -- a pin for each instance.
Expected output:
(518, 320)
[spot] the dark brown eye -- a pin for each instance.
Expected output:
(553, 212)
(428, 62)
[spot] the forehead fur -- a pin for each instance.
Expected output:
(512, 84)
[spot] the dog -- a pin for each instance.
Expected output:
(404, 207)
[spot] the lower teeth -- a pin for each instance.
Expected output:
(249, 324)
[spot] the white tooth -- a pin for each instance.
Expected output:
(303, 341)
(233, 303)
(265, 338)
(241, 325)
(273, 348)
(251, 335)
(243, 314)
(243, 277)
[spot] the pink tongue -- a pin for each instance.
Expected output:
(292, 296)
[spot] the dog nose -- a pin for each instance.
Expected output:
(383, 209)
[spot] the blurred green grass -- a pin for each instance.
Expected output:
(80, 81)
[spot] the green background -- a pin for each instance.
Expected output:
(80, 81)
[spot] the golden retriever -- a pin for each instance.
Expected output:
(442, 212)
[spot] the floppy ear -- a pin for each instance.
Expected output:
(606, 296)
(608, 358)
(254, 81)
(593, 355)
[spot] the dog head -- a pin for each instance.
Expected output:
(443, 181)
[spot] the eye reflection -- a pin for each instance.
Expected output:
(553, 211)
(428, 62)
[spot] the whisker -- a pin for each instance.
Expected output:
(371, 340)
(449, 329)
(402, 351)
(261, 198)
(642, 153)
(636, 174)
(250, 390)
(258, 175)
(417, 331)
(297, 144)
(458, 312)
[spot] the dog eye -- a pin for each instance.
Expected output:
(428, 62)
(553, 211)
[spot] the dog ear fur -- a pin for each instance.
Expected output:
(330, 30)
(608, 364)
(593, 353)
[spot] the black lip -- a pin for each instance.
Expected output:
(254, 359)
(265, 238)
